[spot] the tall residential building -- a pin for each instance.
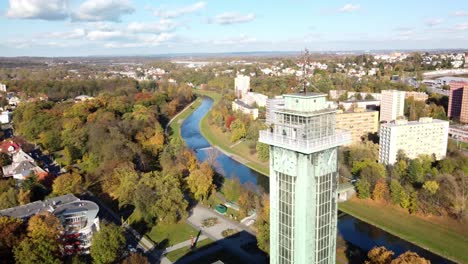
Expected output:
(392, 105)
(427, 136)
(360, 122)
(303, 180)
(3, 87)
(272, 105)
(241, 85)
(458, 101)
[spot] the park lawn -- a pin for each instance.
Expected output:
(442, 236)
(165, 235)
(185, 251)
(177, 122)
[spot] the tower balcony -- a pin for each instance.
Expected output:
(306, 146)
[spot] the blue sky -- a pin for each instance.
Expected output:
(144, 27)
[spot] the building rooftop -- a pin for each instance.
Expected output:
(308, 94)
(75, 207)
(360, 101)
(422, 120)
(241, 103)
(30, 209)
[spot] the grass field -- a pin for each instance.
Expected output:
(442, 236)
(185, 251)
(171, 234)
(216, 137)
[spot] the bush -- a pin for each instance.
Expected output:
(209, 222)
(229, 232)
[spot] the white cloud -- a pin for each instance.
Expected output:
(106, 35)
(145, 41)
(349, 8)
(38, 9)
(232, 18)
(163, 25)
(74, 34)
(462, 26)
(461, 13)
(434, 22)
(163, 12)
(242, 39)
(103, 10)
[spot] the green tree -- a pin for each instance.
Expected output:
(122, 183)
(232, 188)
(160, 197)
(363, 189)
(447, 166)
(413, 207)
(42, 244)
(107, 245)
(263, 151)
(415, 171)
(200, 181)
(67, 183)
(405, 199)
(238, 130)
(431, 187)
(396, 192)
(8, 194)
(71, 154)
(263, 224)
(400, 169)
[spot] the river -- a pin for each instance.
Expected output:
(360, 234)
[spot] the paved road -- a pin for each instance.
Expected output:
(235, 243)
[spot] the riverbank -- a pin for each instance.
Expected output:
(445, 237)
(176, 122)
(240, 152)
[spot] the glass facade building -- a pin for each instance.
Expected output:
(303, 180)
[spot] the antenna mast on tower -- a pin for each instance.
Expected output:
(306, 61)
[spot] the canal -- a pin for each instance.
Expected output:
(354, 231)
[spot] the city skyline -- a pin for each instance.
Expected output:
(141, 27)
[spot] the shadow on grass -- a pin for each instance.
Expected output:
(246, 251)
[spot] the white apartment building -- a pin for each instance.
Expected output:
(427, 136)
(392, 105)
(238, 105)
(255, 98)
(241, 85)
(3, 87)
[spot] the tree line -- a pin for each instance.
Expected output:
(421, 185)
